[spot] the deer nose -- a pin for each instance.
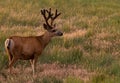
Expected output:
(60, 33)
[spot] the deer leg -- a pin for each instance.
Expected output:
(33, 64)
(10, 58)
(11, 63)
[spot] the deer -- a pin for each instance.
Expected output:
(31, 47)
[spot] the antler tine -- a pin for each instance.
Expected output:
(54, 17)
(56, 14)
(47, 14)
(43, 12)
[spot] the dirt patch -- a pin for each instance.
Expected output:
(62, 71)
(3, 78)
(55, 70)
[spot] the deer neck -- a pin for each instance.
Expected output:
(46, 37)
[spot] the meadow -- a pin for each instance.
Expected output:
(88, 52)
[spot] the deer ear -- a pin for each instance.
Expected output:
(46, 27)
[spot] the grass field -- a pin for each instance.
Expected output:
(89, 51)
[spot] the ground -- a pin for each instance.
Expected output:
(46, 70)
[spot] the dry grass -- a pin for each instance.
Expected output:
(56, 70)
(91, 41)
(75, 34)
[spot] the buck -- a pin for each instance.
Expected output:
(31, 47)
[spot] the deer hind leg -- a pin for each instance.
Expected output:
(11, 63)
(10, 58)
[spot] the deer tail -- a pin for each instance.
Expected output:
(9, 44)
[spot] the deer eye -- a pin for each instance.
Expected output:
(54, 30)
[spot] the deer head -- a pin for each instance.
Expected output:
(49, 19)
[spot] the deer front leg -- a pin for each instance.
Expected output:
(33, 65)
